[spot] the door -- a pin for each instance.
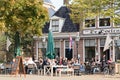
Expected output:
(68, 54)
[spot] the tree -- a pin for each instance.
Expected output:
(24, 16)
(82, 9)
(2, 47)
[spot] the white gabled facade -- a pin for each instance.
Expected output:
(60, 24)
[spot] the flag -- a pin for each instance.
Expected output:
(70, 42)
(8, 44)
(107, 42)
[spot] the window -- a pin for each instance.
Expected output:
(90, 23)
(104, 22)
(89, 49)
(66, 44)
(68, 51)
(90, 42)
(55, 25)
(102, 42)
(57, 48)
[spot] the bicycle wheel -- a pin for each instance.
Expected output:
(112, 71)
(106, 71)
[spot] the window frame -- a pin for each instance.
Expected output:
(103, 24)
(55, 25)
(89, 22)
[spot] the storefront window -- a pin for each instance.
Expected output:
(42, 49)
(89, 53)
(102, 42)
(117, 50)
(57, 48)
(89, 49)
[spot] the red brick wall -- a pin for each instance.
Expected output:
(75, 50)
(80, 50)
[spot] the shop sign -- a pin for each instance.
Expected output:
(102, 31)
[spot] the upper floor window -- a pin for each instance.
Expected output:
(90, 23)
(55, 25)
(104, 22)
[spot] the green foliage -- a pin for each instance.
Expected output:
(24, 16)
(82, 9)
(2, 47)
(2, 42)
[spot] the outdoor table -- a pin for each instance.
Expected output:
(49, 68)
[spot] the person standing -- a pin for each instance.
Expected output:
(104, 62)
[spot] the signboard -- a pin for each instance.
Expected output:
(101, 31)
(17, 66)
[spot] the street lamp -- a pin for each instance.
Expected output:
(77, 41)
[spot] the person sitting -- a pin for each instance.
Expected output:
(40, 66)
(82, 68)
(76, 62)
(109, 61)
(111, 65)
(87, 67)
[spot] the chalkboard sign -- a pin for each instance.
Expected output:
(17, 66)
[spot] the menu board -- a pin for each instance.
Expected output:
(17, 66)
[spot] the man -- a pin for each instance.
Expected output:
(104, 62)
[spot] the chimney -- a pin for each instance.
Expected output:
(65, 2)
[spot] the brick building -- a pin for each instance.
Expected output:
(86, 44)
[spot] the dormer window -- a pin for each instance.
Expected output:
(55, 25)
(90, 23)
(104, 22)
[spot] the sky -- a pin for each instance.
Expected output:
(57, 3)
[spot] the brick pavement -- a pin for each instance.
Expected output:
(83, 77)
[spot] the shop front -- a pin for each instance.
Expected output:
(94, 42)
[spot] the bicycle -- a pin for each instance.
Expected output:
(109, 69)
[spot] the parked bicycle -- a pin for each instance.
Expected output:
(109, 69)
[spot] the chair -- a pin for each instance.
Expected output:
(82, 69)
(40, 71)
(2, 68)
(8, 68)
(76, 69)
(31, 69)
(47, 70)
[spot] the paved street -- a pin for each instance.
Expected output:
(83, 77)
